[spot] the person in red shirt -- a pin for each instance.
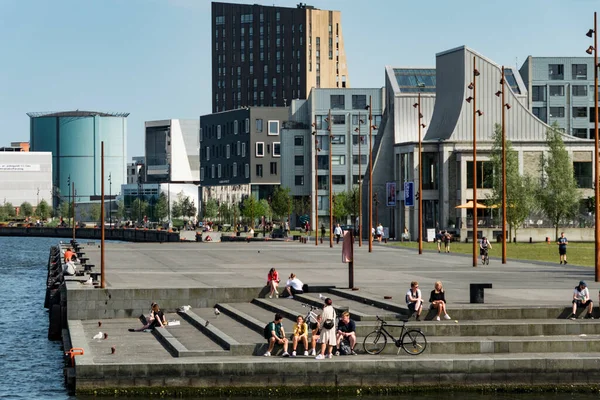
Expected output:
(69, 255)
(273, 282)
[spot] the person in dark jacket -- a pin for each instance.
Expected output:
(437, 298)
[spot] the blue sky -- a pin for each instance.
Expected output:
(152, 57)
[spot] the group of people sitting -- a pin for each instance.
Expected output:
(325, 331)
(292, 287)
(437, 298)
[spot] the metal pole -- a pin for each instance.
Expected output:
(369, 229)
(73, 185)
(316, 226)
(360, 180)
(420, 179)
(110, 200)
(597, 186)
(102, 283)
(474, 165)
(503, 173)
(69, 204)
(329, 123)
(351, 263)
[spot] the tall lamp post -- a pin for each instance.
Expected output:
(594, 49)
(417, 105)
(110, 199)
(102, 283)
(370, 227)
(74, 211)
(329, 123)
(505, 106)
(69, 207)
(317, 149)
(360, 180)
(476, 113)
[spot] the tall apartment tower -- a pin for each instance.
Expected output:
(267, 56)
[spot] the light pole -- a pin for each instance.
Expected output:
(417, 105)
(102, 283)
(69, 207)
(370, 227)
(110, 199)
(590, 50)
(73, 211)
(329, 123)
(476, 113)
(360, 179)
(505, 106)
(317, 149)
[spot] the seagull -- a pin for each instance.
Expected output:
(321, 297)
(217, 312)
(99, 335)
(206, 324)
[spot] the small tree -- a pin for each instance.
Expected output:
(340, 213)
(95, 213)
(161, 209)
(211, 208)
(9, 210)
(252, 208)
(3, 215)
(65, 209)
(43, 210)
(120, 210)
(352, 202)
(558, 195)
(266, 210)
(139, 209)
(26, 209)
(177, 209)
(302, 205)
(280, 202)
(188, 208)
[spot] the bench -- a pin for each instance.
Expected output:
(83, 260)
(88, 267)
(95, 275)
(476, 291)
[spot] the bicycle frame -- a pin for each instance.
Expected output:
(311, 315)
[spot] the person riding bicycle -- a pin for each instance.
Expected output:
(484, 246)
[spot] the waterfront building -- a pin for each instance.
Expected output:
(74, 138)
(269, 55)
(347, 107)
(135, 169)
(561, 90)
(16, 146)
(26, 177)
(240, 153)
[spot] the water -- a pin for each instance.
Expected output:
(32, 365)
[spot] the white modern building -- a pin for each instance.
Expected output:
(25, 177)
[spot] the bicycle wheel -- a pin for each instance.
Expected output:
(375, 342)
(414, 342)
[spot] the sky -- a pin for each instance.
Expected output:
(152, 58)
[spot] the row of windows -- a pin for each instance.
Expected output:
(237, 103)
(322, 183)
(249, 18)
(221, 84)
(559, 112)
(557, 71)
(538, 93)
(260, 149)
(340, 119)
(272, 169)
(224, 150)
(323, 161)
(210, 132)
(229, 171)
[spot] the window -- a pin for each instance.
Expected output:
(247, 125)
(219, 171)
(539, 112)
(356, 179)
(218, 131)
(363, 159)
(579, 72)
(227, 152)
(538, 93)
(299, 180)
(260, 149)
(580, 133)
(338, 179)
(557, 112)
(359, 101)
(235, 127)
(338, 160)
(259, 170)
(579, 90)
(243, 149)
(355, 139)
(338, 139)
(298, 141)
(579, 112)
(355, 119)
(238, 148)
(485, 174)
(323, 162)
(202, 173)
(247, 170)
(338, 119)
(273, 128)
(259, 124)
(276, 149)
(556, 72)
(234, 170)
(299, 160)
(323, 182)
(212, 171)
(583, 174)
(430, 173)
(207, 153)
(337, 101)
(323, 142)
(273, 168)
(556, 90)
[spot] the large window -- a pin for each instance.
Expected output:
(579, 72)
(557, 90)
(323, 162)
(273, 128)
(538, 93)
(539, 112)
(363, 159)
(338, 179)
(355, 140)
(579, 112)
(359, 101)
(362, 120)
(579, 90)
(259, 125)
(299, 160)
(485, 174)
(338, 139)
(298, 141)
(337, 101)
(276, 149)
(556, 72)
(580, 132)
(260, 149)
(557, 112)
(259, 170)
(339, 119)
(583, 174)
(430, 172)
(338, 160)
(299, 180)
(322, 182)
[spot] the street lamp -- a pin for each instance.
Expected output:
(360, 180)
(421, 125)
(329, 123)
(69, 204)
(110, 199)
(370, 228)
(317, 149)
(476, 113)
(594, 49)
(505, 106)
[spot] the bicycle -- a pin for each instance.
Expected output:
(311, 315)
(412, 341)
(486, 257)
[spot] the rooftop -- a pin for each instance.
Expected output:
(76, 113)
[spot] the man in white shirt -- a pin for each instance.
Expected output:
(293, 286)
(581, 298)
(338, 233)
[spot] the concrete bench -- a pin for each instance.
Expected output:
(476, 291)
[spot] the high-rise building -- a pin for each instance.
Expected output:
(267, 56)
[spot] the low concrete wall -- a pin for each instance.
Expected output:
(536, 234)
(85, 302)
(129, 235)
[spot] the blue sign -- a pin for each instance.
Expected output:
(409, 194)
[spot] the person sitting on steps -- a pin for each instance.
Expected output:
(277, 336)
(273, 282)
(346, 331)
(437, 298)
(300, 335)
(315, 335)
(581, 298)
(157, 319)
(414, 301)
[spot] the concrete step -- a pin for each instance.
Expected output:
(185, 340)
(359, 310)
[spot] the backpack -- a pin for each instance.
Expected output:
(345, 349)
(267, 331)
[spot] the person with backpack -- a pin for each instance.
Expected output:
(484, 247)
(447, 240)
(275, 334)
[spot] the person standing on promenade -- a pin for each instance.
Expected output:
(414, 301)
(327, 330)
(338, 233)
(379, 232)
(562, 243)
(581, 298)
(437, 298)
(322, 232)
(438, 238)
(447, 240)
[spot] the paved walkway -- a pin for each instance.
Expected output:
(387, 271)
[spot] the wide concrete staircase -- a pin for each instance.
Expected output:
(473, 329)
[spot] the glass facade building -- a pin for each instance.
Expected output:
(74, 138)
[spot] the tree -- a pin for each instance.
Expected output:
(520, 195)
(252, 208)
(302, 205)
(265, 209)
(225, 212)
(280, 202)
(340, 213)
(120, 210)
(9, 210)
(188, 208)
(211, 208)
(558, 195)
(65, 209)
(43, 210)
(161, 209)
(177, 209)
(95, 213)
(139, 209)
(352, 202)
(26, 209)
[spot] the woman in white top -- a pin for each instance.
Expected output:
(327, 338)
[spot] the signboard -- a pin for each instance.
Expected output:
(19, 167)
(430, 235)
(409, 194)
(390, 191)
